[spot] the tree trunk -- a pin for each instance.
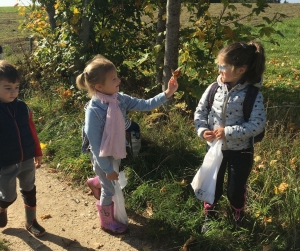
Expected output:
(172, 40)
(84, 37)
(160, 29)
(51, 13)
(85, 25)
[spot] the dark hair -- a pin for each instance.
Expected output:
(8, 72)
(94, 73)
(251, 55)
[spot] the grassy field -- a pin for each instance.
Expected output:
(13, 41)
(162, 172)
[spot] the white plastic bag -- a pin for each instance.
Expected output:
(122, 179)
(118, 198)
(204, 182)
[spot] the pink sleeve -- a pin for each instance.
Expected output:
(38, 150)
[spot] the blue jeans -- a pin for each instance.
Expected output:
(107, 187)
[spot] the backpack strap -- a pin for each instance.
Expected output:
(249, 101)
(211, 95)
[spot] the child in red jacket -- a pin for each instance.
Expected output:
(20, 150)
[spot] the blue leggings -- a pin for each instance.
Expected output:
(107, 186)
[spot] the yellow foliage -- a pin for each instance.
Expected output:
(293, 160)
(200, 34)
(281, 188)
(273, 162)
(267, 220)
(43, 146)
(257, 159)
(76, 11)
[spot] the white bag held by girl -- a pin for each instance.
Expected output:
(118, 198)
(204, 182)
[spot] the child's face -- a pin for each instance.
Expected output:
(228, 73)
(111, 85)
(8, 91)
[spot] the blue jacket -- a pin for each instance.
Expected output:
(16, 141)
(95, 117)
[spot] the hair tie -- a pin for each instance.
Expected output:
(243, 45)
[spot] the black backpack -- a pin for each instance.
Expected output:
(249, 101)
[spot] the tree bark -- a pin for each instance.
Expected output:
(160, 29)
(51, 13)
(172, 40)
(85, 25)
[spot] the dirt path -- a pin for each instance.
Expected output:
(71, 221)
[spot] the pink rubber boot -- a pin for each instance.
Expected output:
(107, 220)
(95, 186)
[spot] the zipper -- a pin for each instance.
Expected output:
(224, 110)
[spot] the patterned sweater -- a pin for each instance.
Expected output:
(227, 112)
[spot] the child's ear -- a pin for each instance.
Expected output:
(242, 70)
(98, 87)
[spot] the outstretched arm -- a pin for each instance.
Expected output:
(172, 87)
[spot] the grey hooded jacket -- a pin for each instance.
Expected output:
(227, 112)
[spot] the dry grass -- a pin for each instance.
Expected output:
(12, 39)
(290, 10)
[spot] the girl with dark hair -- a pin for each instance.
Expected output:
(240, 65)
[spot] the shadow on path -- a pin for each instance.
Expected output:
(38, 243)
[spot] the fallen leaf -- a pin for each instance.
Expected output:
(293, 160)
(282, 187)
(46, 216)
(267, 220)
(188, 242)
(257, 159)
(273, 162)
(163, 190)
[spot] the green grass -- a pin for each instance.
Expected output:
(3, 246)
(281, 87)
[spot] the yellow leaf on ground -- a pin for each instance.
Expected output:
(273, 162)
(257, 159)
(267, 220)
(293, 160)
(282, 187)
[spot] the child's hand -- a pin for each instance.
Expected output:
(220, 133)
(38, 161)
(209, 135)
(112, 176)
(172, 87)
